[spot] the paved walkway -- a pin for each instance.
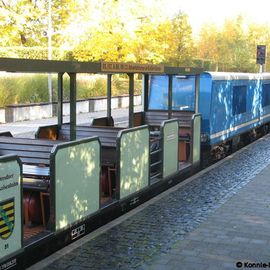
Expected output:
(218, 219)
(28, 128)
(237, 235)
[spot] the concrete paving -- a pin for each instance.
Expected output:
(217, 219)
(28, 128)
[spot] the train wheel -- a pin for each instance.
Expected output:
(265, 129)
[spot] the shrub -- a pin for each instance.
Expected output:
(8, 88)
(34, 89)
(31, 88)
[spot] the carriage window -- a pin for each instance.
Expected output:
(239, 103)
(158, 93)
(183, 93)
(265, 95)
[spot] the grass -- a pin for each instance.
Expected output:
(31, 88)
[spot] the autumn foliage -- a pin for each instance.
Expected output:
(128, 31)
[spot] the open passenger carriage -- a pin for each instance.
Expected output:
(72, 179)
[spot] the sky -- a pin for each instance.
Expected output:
(217, 11)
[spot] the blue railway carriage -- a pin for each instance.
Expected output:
(265, 102)
(235, 109)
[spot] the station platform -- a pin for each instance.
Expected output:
(27, 129)
(216, 219)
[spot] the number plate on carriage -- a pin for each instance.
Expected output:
(77, 232)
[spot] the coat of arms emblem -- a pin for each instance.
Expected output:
(7, 218)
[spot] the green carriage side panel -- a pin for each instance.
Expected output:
(10, 206)
(77, 181)
(134, 160)
(169, 131)
(196, 152)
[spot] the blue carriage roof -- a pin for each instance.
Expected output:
(217, 76)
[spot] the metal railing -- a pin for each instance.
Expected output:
(155, 156)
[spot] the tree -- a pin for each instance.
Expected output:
(21, 21)
(259, 35)
(114, 30)
(231, 47)
(26, 21)
(181, 43)
(106, 38)
(235, 48)
(132, 32)
(207, 45)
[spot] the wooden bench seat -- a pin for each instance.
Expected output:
(184, 118)
(108, 138)
(35, 157)
(107, 135)
(30, 151)
(36, 177)
(36, 170)
(155, 118)
(37, 184)
(103, 121)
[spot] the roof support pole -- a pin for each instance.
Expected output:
(60, 99)
(197, 91)
(131, 101)
(72, 95)
(145, 92)
(109, 95)
(170, 84)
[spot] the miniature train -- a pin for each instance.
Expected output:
(72, 179)
(235, 108)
